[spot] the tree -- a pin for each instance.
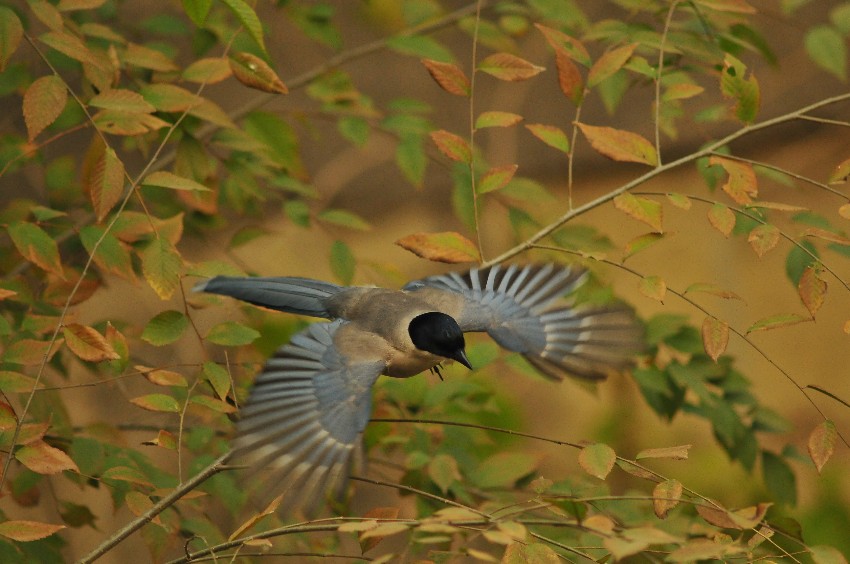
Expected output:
(141, 144)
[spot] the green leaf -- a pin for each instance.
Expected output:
(777, 321)
(111, 255)
(597, 460)
(343, 262)
(232, 334)
(642, 209)
(197, 10)
(354, 128)
(420, 46)
(743, 90)
(443, 471)
(344, 218)
(161, 265)
(11, 33)
(248, 18)
(453, 146)
(36, 246)
(218, 377)
(298, 212)
(828, 50)
(505, 66)
(551, 135)
(497, 119)
(502, 470)
(44, 100)
(165, 179)
(411, 159)
(157, 402)
(779, 478)
(496, 178)
(165, 328)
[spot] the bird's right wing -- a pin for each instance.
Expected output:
(304, 417)
(516, 306)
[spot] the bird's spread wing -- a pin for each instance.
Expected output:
(304, 417)
(517, 306)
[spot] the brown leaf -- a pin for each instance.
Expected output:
(679, 452)
(88, 344)
(451, 145)
(505, 66)
(741, 184)
(255, 73)
(104, 180)
(812, 289)
(666, 496)
(560, 41)
(821, 443)
(620, 145)
(447, 246)
(44, 100)
(42, 458)
(450, 77)
(11, 33)
(722, 219)
(719, 517)
(826, 235)
(715, 337)
(569, 77)
(26, 531)
(763, 238)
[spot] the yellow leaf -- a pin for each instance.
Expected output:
(666, 496)
(715, 337)
(620, 145)
(741, 184)
(642, 209)
(812, 289)
(821, 443)
(88, 344)
(447, 246)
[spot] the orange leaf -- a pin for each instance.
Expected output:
(609, 63)
(505, 66)
(451, 145)
(722, 218)
(763, 238)
(448, 76)
(812, 289)
(826, 235)
(447, 247)
(560, 41)
(620, 145)
(255, 73)
(642, 209)
(44, 100)
(822, 443)
(26, 531)
(715, 337)
(88, 344)
(741, 185)
(569, 77)
(42, 458)
(104, 180)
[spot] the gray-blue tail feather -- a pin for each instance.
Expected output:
(284, 293)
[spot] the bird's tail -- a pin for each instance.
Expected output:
(285, 293)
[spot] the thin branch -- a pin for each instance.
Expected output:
(660, 73)
(744, 131)
(166, 502)
(473, 73)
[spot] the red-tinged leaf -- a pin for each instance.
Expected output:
(821, 443)
(640, 243)
(715, 337)
(763, 238)
(722, 219)
(44, 100)
(496, 178)
(731, 6)
(104, 181)
(11, 33)
(642, 209)
(162, 377)
(840, 174)
(498, 119)
(255, 73)
(165, 179)
(27, 531)
(569, 77)
(42, 458)
(666, 496)
(679, 452)
(208, 70)
(87, 343)
(164, 439)
(125, 123)
(450, 77)
(620, 145)
(30, 352)
(157, 402)
(451, 145)
(70, 46)
(741, 184)
(776, 322)
(778, 206)
(126, 474)
(609, 63)
(505, 66)
(826, 235)
(812, 289)
(560, 41)
(36, 246)
(161, 265)
(551, 135)
(717, 516)
(15, 382)
(597, 460)
(679, 200)
(653, 287)
(447, 246)
(122, 100)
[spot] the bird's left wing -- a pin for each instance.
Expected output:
(304, 417)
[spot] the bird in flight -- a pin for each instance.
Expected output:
(312, 400)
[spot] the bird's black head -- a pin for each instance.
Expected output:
(439, 334)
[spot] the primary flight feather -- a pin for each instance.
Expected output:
(312, 400)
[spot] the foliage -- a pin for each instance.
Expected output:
(136, 137)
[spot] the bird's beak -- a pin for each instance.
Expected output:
(461, 358)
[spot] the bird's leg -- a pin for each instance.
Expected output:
(436, 370)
